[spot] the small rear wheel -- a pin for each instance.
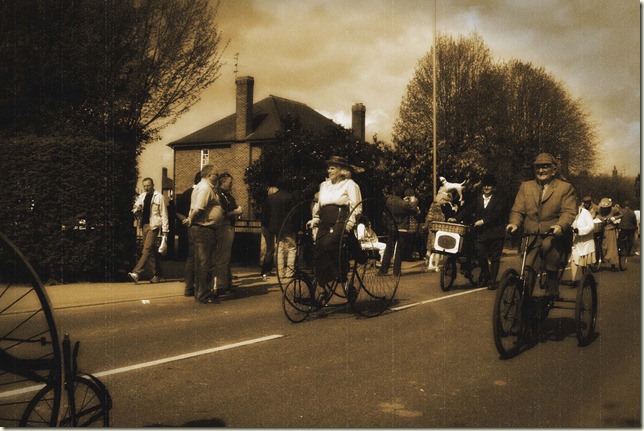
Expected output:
(297, 299)
(586, 309)
(508, 323)
(448, 273)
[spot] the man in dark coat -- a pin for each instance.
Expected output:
(275, 210)
(401, 211)
(488, 212)
(627, 226)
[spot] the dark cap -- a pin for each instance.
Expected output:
(488, 180)
(545, 159)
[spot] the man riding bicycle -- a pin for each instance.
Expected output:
(546, 204)
(488, 212)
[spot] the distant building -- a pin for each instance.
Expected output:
(233, 143)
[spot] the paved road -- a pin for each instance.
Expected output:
(240, 363)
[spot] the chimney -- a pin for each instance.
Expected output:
(244, 113)
(358, 121)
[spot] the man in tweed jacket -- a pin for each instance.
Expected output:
(545, 203)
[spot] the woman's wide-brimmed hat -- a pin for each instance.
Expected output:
(342, 161)
(606, 203)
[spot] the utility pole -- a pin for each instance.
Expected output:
(434, 103)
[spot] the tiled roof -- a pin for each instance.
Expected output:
(266, 123)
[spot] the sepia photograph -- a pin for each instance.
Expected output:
(320, 213)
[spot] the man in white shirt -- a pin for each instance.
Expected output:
(151, 210)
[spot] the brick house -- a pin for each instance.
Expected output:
(235, 142)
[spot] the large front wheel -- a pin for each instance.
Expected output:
(369, 289)
(508, 322)
(586, 309)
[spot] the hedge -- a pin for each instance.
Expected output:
(66, 203)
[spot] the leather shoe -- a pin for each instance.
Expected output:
(189, 293)
(156, 279)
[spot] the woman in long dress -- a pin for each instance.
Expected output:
(610, 216)
(583, 244)
(332, 215)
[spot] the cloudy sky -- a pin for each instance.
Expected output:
(330, 54)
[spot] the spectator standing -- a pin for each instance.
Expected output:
(401, 210)
(278, 206)
(206, 215)
(226, 236)
(412, 247)
(489, 212)
(151, 210)
(545, 203)
(183, 210)
(628, 226)
(583, 244)
(268, 258)
(609, 215)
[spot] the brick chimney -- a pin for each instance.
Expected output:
(244, 113)
(358, 121)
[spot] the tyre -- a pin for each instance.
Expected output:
(91, 406)
(508, 323)
(369, 292)
(586, 309)
(474, 272)
(30, 353)
(448, 273)
(297, 299)
(622, 251)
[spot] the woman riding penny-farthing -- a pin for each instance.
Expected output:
(320, 257)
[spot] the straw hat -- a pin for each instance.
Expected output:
(605, 203)
(342, 161)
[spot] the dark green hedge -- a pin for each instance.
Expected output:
(66, 203)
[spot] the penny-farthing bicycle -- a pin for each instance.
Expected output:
(360, 285)
(40, 384)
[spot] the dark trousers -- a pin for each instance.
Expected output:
(628, 236)
(404, 239)
(190, 265)
(269, 256)
(205, 242)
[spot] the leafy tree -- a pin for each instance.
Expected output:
(490, 118)
(93, 78)
(300, 156)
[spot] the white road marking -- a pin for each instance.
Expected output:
(154, 363)
(402, 307)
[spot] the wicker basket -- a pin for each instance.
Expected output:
(449, 227)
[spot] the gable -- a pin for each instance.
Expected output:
(267, 114)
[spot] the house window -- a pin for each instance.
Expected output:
(205, 158)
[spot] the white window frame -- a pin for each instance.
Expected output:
(205, 158)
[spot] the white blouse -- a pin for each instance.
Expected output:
(344, 192)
